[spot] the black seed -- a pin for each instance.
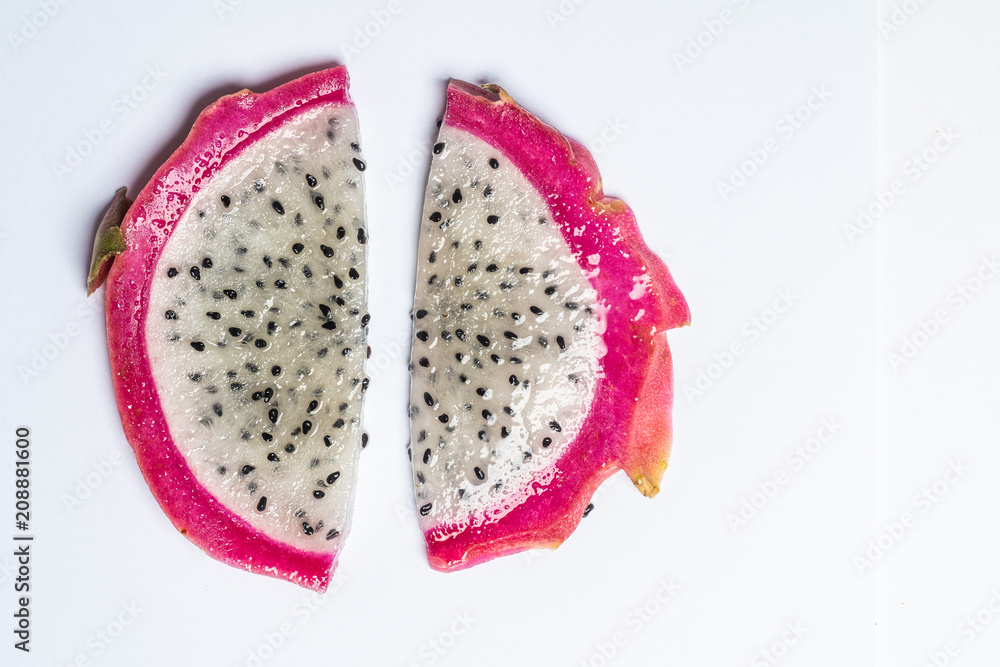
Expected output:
(297, 248)
(196, 273)
(251, 367)
(425, 509)
(359, 164)
(171, 272)
(364, 385)
(436, 216)
(443, 419)
(272, 414)
(268, 393)
(421, 314)
(170, 315)
(508, 410)
(495, 358)
(317, 494)
(510, 334)
(275, 371)
(438, 147)
(353, 273)
(258, 185)
(570, 305)
(318, 200)
(327, 250)
(230, 293)
(494, 163)
(306, 528)
(198, 345)
(463, 379)
(431, 280)
(255, 396)
(428, 399)
(306, 427)
(364, 440)
(513, 380)
(456, 196)
(217, 409)
(260, 343)
(325, 309)
(362, 236)
(267, 437)
(339, 423)
(481, 391)
(341, 232)
(492, 219)
(307, 272)
(561, 342)
(278, 207)
(422, 335)
(267, 261)
(543, 341)
(479, 473)
(289, 448)
(458, 281)
(247, 469)
(488, 192)
(338, 282)
(226, 201)
(546, 442)
(554, 425)
(487, 415)
(492, 267)
(536, 310)
(504, 432)
(550, 290)
(330, 326)
(483, 436)
(590, 508)
(346, 351)
(424, 362)
(262, 503)
(235, 331)
(280, 284)
(525, 270)
(483, 340)
(311, 180)
(272, 457)
(332, 477)
(328, 441)
(365, 319)
(312, 407)
(427, 456)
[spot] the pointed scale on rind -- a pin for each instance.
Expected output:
(628, 426)
(222, 131)
(109, 242)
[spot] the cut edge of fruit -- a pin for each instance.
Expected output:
(223, 130)
(639, 442)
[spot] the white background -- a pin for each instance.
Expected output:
(672, 130)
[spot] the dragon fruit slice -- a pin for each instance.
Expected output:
(540, 363)
(237, 326)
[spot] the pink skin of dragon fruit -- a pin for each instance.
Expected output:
(627, 425)
(229, 130)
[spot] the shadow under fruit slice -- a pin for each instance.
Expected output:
(540, 363)
(237, 326)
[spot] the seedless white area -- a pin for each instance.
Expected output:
(263, 402)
